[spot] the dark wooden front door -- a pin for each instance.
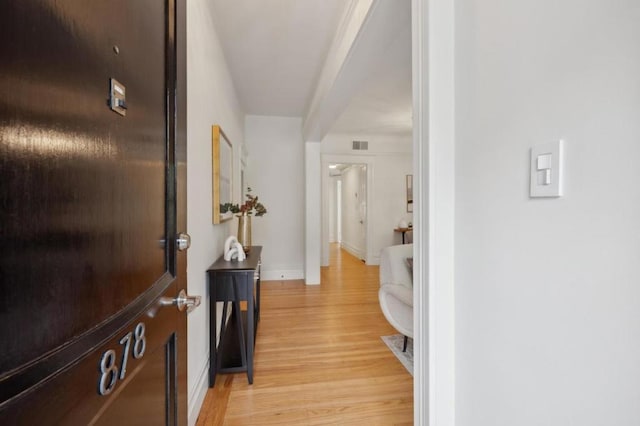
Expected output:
(91, 202)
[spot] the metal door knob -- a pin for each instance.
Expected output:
(182, 302)
(183, 241)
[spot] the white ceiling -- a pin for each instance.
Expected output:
(275, 50)
(384, 104)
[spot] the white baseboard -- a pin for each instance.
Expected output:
(282, 274)
(197, 395)
(355, 251)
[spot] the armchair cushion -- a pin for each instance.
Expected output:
(400, 292)
(396, 287)
(393, 265)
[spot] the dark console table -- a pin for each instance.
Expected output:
(232, 282)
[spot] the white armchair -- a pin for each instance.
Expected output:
(396, 288)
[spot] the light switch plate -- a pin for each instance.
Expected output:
(546, 170)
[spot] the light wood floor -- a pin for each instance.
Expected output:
(319, 357)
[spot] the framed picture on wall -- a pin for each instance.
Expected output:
(410, 193)
(222, 174)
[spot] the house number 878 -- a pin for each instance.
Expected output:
(110, 370)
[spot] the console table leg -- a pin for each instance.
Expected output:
(238, 312)
(258, 300)
(223, 332)
(250, 328)
(213, 355)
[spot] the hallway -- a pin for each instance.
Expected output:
(319, 357)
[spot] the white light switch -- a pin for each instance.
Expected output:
(546, 170)
(544, 161)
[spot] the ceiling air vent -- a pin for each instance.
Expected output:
(360, 145)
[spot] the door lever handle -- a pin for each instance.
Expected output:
(182, 302)
(183, 241)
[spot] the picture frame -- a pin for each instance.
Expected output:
(409, 193)
(222, 174)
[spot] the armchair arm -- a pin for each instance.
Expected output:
(396, 302)
(400, 292)
(393, 265)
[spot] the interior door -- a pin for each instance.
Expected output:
(92, 197)
(362, 211)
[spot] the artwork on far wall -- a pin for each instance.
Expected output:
(222, 174)
(410, 193)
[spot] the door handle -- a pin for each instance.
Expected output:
(183, 241)
(182, 302)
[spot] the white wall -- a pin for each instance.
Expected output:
(275, 172)
(390, 159)
(211, 100)
(547, 290)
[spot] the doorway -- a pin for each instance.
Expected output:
(346, 191)
(347, 207)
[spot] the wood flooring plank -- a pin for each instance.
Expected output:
(319, 357)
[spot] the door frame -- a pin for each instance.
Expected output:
(327, 159)
(433, 75)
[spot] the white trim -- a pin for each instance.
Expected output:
(434, 219)
(353, 251)
(282, 274)
(420, 219)
(200, 392)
